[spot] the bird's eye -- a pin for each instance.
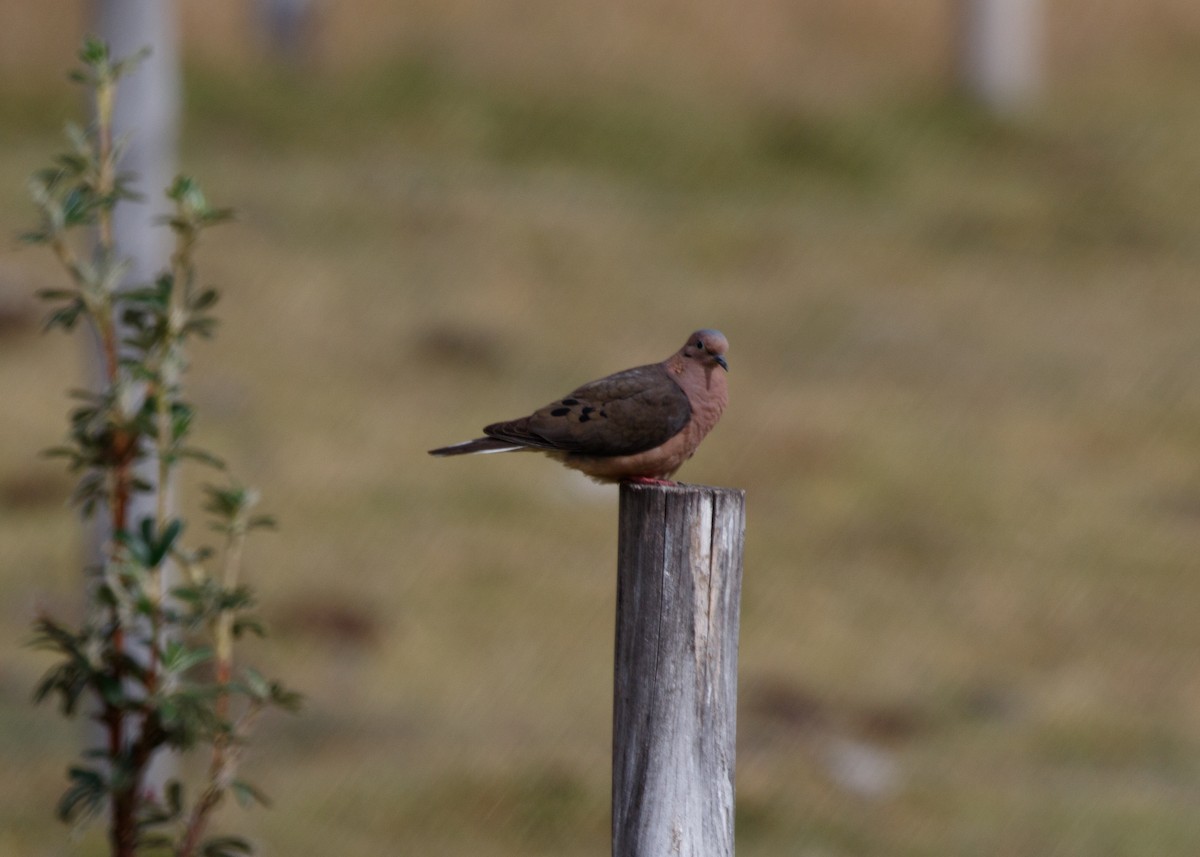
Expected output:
(699, 344)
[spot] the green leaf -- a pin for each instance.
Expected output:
(204, 300)
(78, 138)
(202, 457)
(181, 420)
(104, 595)
(72, 164)
(148, 298)
(48, 684)
(213, 216)
(57, 294)
(170, 535)
(256, 684)
(226, 846)
(224, 502)
(89, 493)
(249, 624)
(75, 460)
(149, 547)
(204, 327)
(94, 51)
(144, 605)
(188, 716)
(110, 690)
(247, 795)
(86, 395)
(262, 522)
(190, 594)
(70, 679)
(181, 188)
(139, 546)
(85, 797)
(123, 189)
(174, 796)
(79, 206)
(179, 657)
(141, 486)
(127, 64)
(65, 317)
(240, 598)
(161, 841)
(282, 697)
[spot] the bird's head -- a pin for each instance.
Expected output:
(708, 347)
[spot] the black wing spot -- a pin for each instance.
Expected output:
(560, 412)
(603, 414)
(570, 401)
(587, 409)
(583, 418)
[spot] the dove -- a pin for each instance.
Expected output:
(639, 425)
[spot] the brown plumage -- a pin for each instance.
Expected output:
(638, 425)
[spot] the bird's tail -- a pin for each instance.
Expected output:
(480, 445)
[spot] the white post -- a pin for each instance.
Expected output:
(1000, 55)
(146, 114)
(147, 111)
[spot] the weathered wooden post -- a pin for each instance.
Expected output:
(679, 581)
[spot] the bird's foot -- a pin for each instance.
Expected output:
(649, 480)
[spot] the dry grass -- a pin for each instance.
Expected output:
(965, 401)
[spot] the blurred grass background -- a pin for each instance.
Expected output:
(965, 408)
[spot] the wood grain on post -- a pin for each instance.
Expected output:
(675, 704)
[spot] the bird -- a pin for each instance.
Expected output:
(638, 426)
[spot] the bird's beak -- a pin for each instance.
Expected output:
(721, 361)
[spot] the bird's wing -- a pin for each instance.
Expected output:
(623, 414)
